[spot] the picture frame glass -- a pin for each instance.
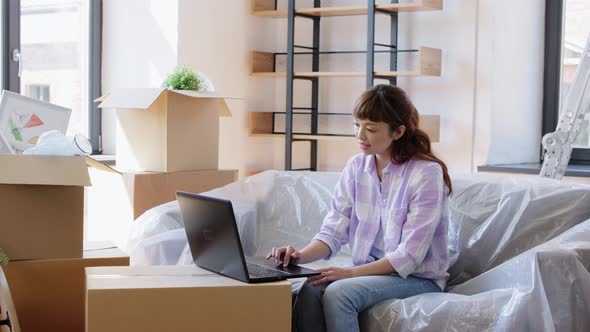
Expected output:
(24, 119)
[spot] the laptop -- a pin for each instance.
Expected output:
(215, 244)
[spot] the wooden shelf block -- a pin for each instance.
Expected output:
(262, 6)
(431, 125)
(262, 64)
(265, 8)
(271, 13)
(334, 11)
(430, 64)
(430, 61)
(274, 74)
(261, 125)
(424, 5)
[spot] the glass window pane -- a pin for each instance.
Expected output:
(54, 46)
(576, 31)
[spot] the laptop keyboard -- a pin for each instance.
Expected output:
(256, 270)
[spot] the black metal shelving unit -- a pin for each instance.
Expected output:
(371, 12)
(292, 13)
(289, 140)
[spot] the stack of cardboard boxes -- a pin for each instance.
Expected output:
(169, 139)
(165, 141)
(41, 231)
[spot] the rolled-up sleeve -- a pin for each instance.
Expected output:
(424, 215)
(335, 228)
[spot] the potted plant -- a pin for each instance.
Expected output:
(183, 78)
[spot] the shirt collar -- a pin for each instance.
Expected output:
(370, 167)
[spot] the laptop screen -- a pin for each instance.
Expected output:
(212, 234)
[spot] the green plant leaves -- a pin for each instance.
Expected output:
(3, 258)
(184, 79)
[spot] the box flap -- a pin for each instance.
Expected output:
(202, 94)
(143, 98)
(98, 245)
(101, 98)
(102, 249)
(130, 98)
(223, 111)
(99, 166)
(44, 170)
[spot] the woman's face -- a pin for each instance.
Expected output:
(373, 137)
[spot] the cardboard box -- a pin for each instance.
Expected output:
(42, 205)
(182, 298)
(161, 130)
(129, 195)
(49, 295)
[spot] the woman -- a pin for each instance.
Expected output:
(390, 206)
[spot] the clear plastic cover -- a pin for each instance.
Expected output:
(544, 289)
(498, 281)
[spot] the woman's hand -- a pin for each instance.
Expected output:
(286, 254)
(330, 274)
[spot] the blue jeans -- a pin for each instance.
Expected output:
(335, 307)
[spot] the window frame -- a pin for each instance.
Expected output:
(95, 74)
(11, 40)
(552, 76)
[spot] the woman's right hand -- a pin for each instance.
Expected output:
(286, 255)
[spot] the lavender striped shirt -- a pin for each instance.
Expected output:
(411, 199)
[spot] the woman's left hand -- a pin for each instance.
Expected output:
(330, 274)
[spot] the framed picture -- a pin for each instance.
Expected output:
(4, 147)
(23, 119)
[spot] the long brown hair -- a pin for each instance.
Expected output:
(390, 104)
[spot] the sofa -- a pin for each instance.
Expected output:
(520, 248)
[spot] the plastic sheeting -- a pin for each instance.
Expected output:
(544, 289)
(272, 209)
(492, 220)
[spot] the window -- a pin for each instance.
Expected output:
(40, 92)
(567, 27)
(52, 53)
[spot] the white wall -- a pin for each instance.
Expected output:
(140, 48)
(488, 97)
(451, 96)
(214, 38)
(509, 85)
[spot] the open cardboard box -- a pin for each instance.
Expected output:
(42, 205)
(161, 130)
